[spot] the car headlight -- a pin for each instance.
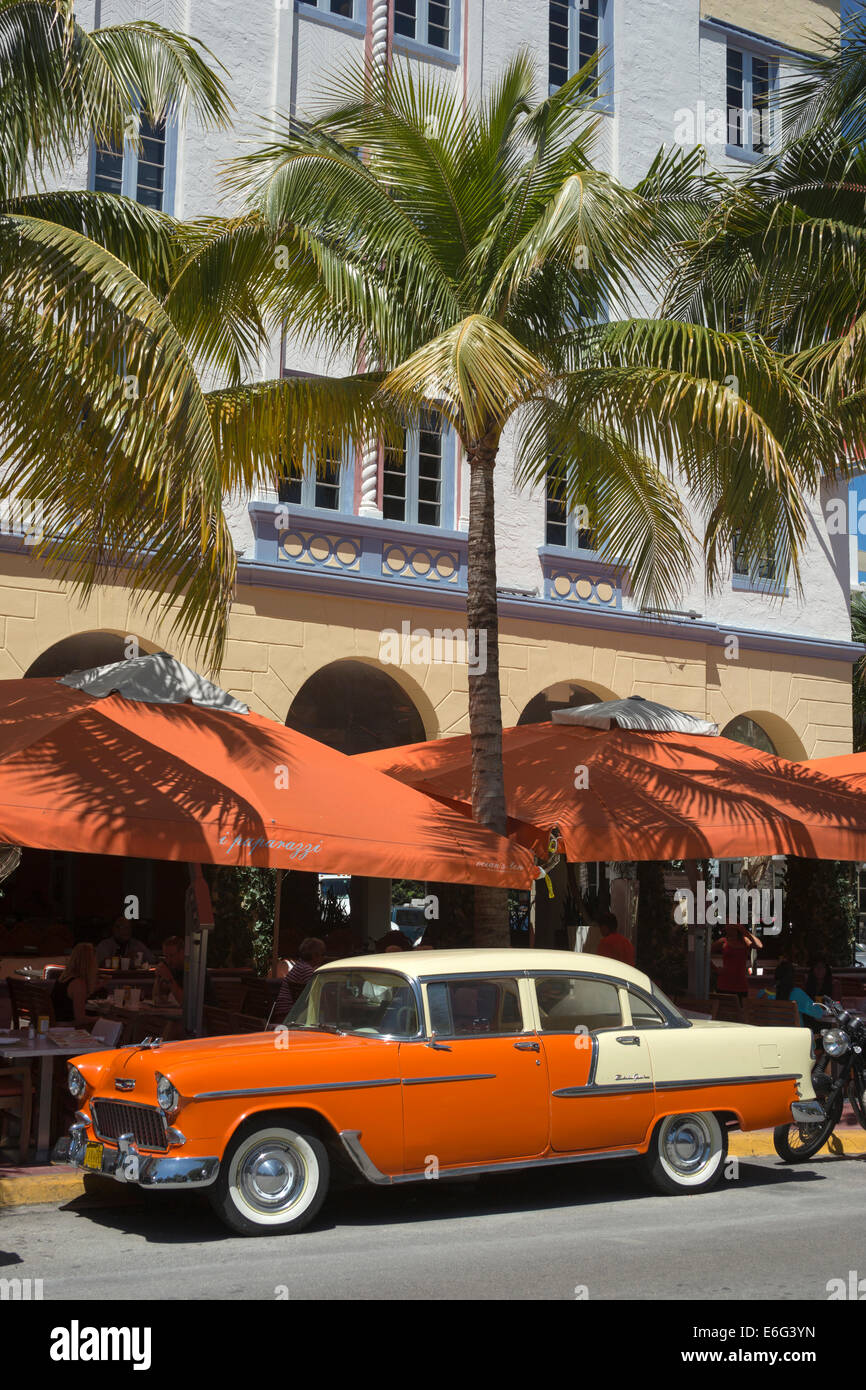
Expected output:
(835, 1041)
(167, 1096)
(76, 1083)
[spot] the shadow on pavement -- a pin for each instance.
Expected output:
(186, 1218)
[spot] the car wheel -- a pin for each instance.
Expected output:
(686, 1154)
(272, 1180)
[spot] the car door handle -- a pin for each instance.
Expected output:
(527, 1046)
(630, 1041)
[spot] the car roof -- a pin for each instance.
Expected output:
(423, 964)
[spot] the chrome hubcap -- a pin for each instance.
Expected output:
(270, 1176)
(687, 1144)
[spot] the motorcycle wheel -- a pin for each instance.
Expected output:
(857, 1098)
(797, 1143)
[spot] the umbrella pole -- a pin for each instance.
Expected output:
(199, 923)
(275, 944)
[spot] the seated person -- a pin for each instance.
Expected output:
(121, 942)
(75, 986)
(168, 984)
(785, 988)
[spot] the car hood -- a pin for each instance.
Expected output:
(242, 1060)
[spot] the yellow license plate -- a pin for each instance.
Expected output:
(93, 1157)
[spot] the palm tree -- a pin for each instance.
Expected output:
(467, 256)
(84, 277)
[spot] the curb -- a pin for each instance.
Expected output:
(57, 1184)
(759, 1144)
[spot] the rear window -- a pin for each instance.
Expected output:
(576, 1003)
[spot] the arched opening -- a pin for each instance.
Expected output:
(355, 708)
(744, 729)
(562, 695)
(84, 650)
(767, 731)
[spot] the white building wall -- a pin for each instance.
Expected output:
(665, 62)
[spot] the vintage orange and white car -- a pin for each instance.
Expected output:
(403, 1067)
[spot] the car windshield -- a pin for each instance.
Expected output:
(373, 1002)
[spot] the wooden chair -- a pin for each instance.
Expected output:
(771, 1013)
(244, 1023)
(16, 1098)
(259, 997)
(229, 994)
(29, 1001)
(728, 1008)
(217, 1022)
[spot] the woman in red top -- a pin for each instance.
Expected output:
(733, 977)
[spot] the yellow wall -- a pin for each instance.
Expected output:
(278, 638)
(793, 22)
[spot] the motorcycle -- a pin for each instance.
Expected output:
(839, 1071)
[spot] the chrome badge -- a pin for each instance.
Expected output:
(124, 1083)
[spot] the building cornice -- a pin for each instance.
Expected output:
(543, 611)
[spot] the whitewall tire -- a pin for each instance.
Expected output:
(687, 1153)
(273, 1179)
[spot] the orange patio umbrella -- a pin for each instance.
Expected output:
(668, 788)
(849, 768)
(174, 768)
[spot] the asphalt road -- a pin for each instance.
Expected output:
(774, 1232)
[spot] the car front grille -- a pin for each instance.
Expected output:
(111, 1118)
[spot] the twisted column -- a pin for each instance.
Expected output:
(379, 55)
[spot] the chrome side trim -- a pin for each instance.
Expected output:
(351, 1139)
(593, 1061)
(434, 1080)
(720, 1081)
(298, 1090)
(624, 1089)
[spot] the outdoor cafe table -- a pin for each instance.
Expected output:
(141, 1018)
(58, 1042)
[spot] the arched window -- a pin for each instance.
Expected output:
(746, 730)
(563, 695)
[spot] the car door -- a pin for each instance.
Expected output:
(601, 1088)
(475, 1090)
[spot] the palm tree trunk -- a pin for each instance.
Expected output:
(485, 707)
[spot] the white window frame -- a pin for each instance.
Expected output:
(420, 43)
(751, 581)
(309, 481)
(446, 480)
(573, 529)
(322, 12)
(129, 167)
(604, 70)
(746, 151)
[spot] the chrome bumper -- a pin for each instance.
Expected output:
(127, 1164)
(807, 1112)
